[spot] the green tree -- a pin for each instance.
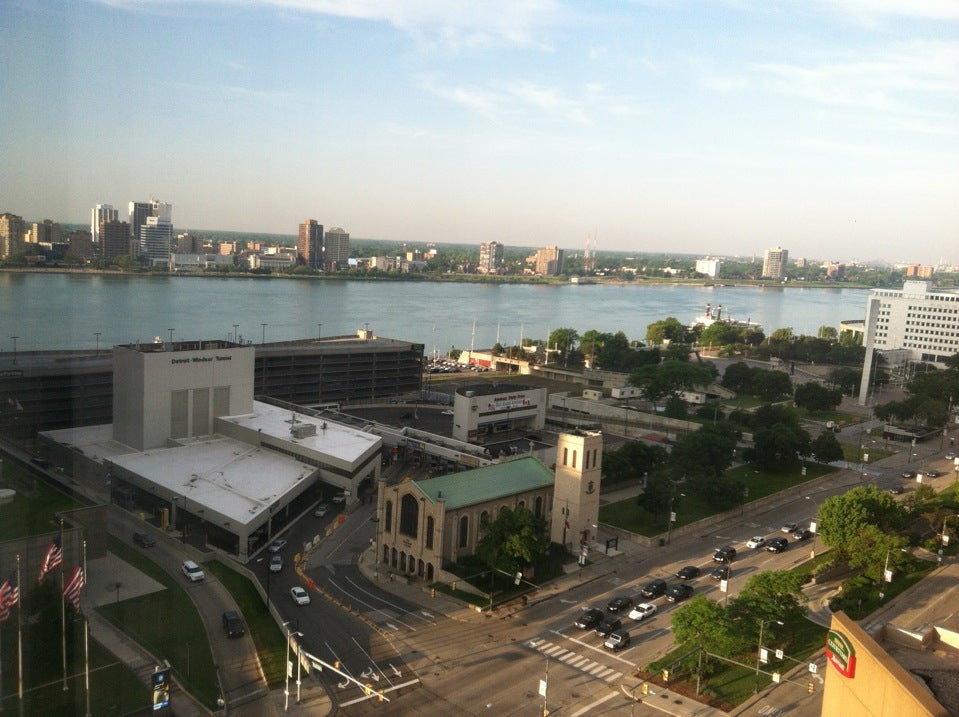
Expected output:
(826, 447)
(668, 329)
(632, 461)
(842, 517)
(770, 595)
(515, 539)
(815, 397)
(779, 446)
(705, 452)
(870, 548)
(703, 622)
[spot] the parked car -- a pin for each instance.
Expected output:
(621, 603)
(192, 571)
(144, 540)
(617, 640)
(276, 564)
(590, 618)
(726, 554)
(608, 625)
(688, 573)
(931, 473)
(908, 474)
(339, 498)
(448, 412)
(788, 527)
(299, 595)
(950, 456)
(803, 534)
(655, 588)
(777, 545)
(896, 490)
(233, 624)
(642, 611)
(277, 545)
(679, 592)
(720, 573)
(757, 541)
(320, 510)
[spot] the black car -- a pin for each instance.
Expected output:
(777, 545)
(933, 474)
(688, 573)
(802, 534)
(908, 474)
(720, 573)
(679, 592)
(620, 604)
(232, 624)
(143, 540)
(896, 490)
(725, 554)
(590, 618)
(608, 625)
(655, 588)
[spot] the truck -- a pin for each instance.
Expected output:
(833, 426)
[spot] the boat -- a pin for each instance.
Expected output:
(714, 315)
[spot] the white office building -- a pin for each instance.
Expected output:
(918, 323)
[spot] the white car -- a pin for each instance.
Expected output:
(339, 498)
(642, 611)
(300, 596)
(192, 571)
(757, 541)
(789, 528)
(276, 564)
(320, 510)
(278, 545)
(450, 413)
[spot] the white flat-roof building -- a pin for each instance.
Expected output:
(916, 323)
(482, 410)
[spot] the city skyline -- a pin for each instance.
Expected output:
(701, 128)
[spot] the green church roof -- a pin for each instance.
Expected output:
(488, 483)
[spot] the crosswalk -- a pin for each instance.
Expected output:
(575, 660)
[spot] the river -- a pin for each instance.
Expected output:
(69, 311)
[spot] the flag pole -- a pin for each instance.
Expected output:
(63, 615)
(86, 639)
(19, 642)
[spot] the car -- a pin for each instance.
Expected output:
(949, 456)
(896, 490)
(608, 625)
(932, 473)
(802, 534)
(720, 573)
(777, 545)
(688, 573)
(642, 611)
(757, 541)
(339, 498)
(277, 545)
(726, 554)
(276, 564)
(299, 595)
(679, 592)
(233, 624)
(320, 510)
(447, 412)
(788, 527)
(193, 572)
(908, 474)
(590, 618)
(620, 604)
(143, 540)
(655, 588)
(617, 640)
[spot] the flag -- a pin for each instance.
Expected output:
(71, 590)
(53, 558)
(9, 596)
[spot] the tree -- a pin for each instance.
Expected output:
(815, 397)
(513, 540)
(826, 447)
(655, 496)
(632, 461)
(703, 622)
(562, 340)
(668, 329)
(870, 548)
(706, 452)
(827, 332)
(770, 595)
(779, 446)
(842, 517)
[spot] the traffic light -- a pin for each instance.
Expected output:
(810, 687)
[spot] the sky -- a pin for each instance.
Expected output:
(721, 127)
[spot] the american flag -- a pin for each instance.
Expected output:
(53, 558)
(9, 596)
(71, 591)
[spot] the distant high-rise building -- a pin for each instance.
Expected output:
(45, 232)
(99, 214)
(80, 245)
(139, 211)
(309, 244)
(549, 261)
(11, 235)
(490, 258)
(774, 263)
(115, 239)
(336, 248)
(156, 241)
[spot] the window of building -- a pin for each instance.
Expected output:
(409, 515)
(464, 532)
(388, 518)
(430, 525)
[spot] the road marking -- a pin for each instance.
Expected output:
(614, 676)
(588, 709)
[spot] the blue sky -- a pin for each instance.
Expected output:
(829, 128)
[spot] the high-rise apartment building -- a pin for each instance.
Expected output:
(11, 235)
(774, 263)
(336, 249)
(549, 261)
(490, 258)
(45, 232)
(80, 245)
(99, 214)
(916, 323)
(309, 244)
(156, 241)
(139, 211)
(709, 267)
(115, 239)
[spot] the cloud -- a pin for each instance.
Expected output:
(872, 11)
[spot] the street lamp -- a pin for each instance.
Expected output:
(286, 667)
(672, 515)
(886, 575)
(759, 652)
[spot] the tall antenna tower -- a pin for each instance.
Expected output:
(589, 255)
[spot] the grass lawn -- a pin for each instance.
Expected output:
(34, 507)
(167, 624)
(860, 596)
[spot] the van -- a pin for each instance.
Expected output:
(725, 554)
(617, 640)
